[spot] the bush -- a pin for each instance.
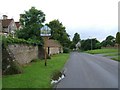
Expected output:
(56, 74)
(14, 68)
(66, 50)
(9, 64)
(10, 40)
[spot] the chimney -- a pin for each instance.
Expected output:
(5, 17)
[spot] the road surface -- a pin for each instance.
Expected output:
(89, 71)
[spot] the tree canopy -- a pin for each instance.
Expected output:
(59, 33)
(109, 41)
(31, 23)
(86, 44)
(118, 37)
(75, 40)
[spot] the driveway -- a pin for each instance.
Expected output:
(89, 71)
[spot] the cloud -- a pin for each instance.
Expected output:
(96, 18)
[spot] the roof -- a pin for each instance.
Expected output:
(6, 22)
(17, 24)
(53, 43)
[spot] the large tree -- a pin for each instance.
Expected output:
(118, 37)
(86, 44)
(58, 32)
(75, 40)
(31, 23)
(109, 41)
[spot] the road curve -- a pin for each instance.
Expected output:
(89, 71)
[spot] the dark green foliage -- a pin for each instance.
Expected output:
(118, 37)
(56, 75)
(31, 23)
(9, 64)
(86, 44)
(15, 68)
(98, 45)
(10, 40)
(66, 50)
(109, 41)
(72, 46)
(76, 38)
(59, 33)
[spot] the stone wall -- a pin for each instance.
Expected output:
(24, 53)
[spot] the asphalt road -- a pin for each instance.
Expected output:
(89, 71)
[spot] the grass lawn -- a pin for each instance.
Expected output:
(101, 51)
(0, 83)
(36, 75)
(112, 54)
(107, 52)
(117, 58)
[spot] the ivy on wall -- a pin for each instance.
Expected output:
(9, 64)
(10, 40)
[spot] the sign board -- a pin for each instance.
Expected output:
(45, 31)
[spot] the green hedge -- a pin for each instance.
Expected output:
(10, 40)
(66, 50)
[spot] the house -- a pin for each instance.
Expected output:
(53, 47)
(18, 25)
(0, 26)
(8, 26)
(78, 45)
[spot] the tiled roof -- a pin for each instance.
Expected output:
(17, 24)
(6, 22)
(53, 43)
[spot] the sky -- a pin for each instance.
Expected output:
(89, 18)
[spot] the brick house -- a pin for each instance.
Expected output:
(7, 26)
(53, 47)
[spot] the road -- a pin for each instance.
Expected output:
(89, 71)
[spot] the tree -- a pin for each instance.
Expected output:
(75, 40)
(109, 41)
(59, 33)
(86, 44)
(118, 37)
(31, 23)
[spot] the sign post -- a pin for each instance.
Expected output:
(45, 33)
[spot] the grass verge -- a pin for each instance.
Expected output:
(113, 53)
(36, 75)
(101, 51)
(116, 58)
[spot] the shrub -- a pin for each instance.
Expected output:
(66, 50)
(10, 40)
(56, 74)
(9, 64)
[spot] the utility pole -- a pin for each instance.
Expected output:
(91, 41)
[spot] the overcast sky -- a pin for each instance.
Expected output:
(89, 18)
